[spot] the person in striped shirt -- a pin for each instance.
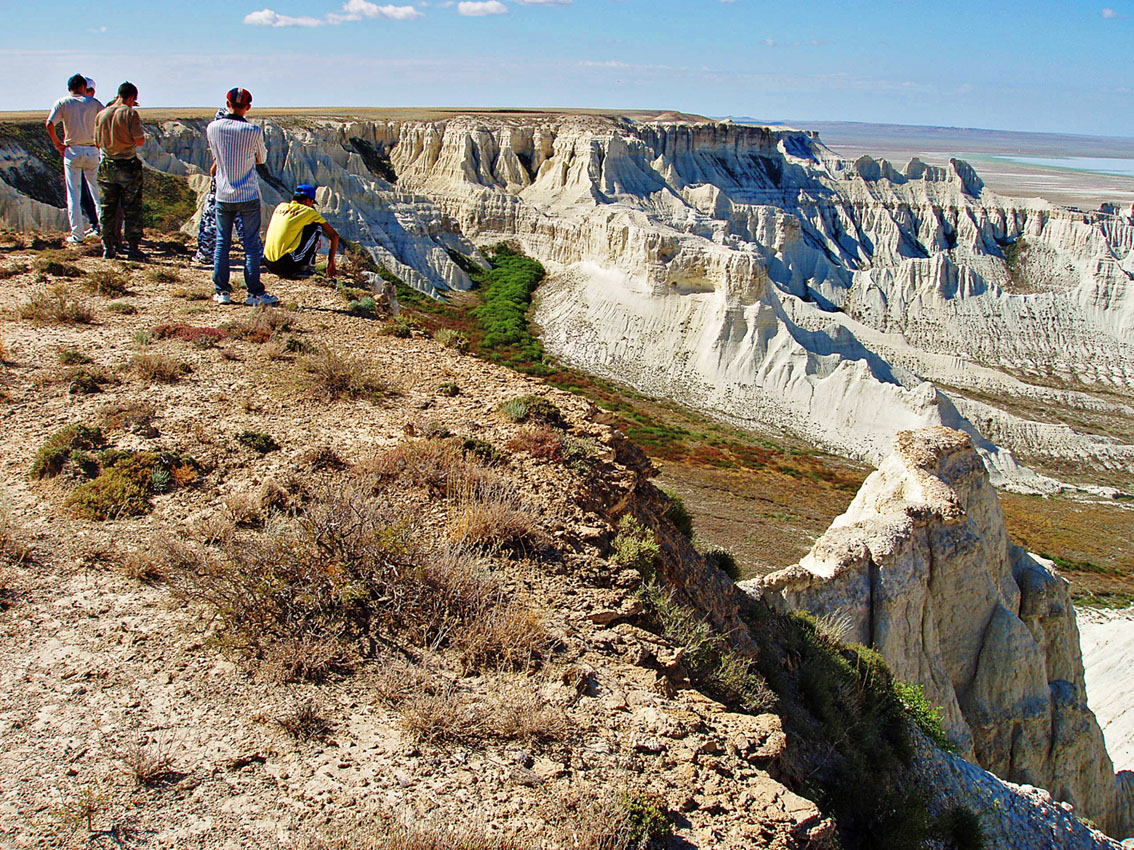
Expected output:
(207, 230)
(238, 147)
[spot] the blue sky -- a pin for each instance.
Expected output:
(1004, 64)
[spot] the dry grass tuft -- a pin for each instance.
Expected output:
(489, 514)
(106, 282)
(148, 760)
(305, 721)
(331, 376)
(134, 417)
(54, 306)
(263, 324)
(322, 457)
(538, 440)
(437, 466)
(159, 368)
(439, 712)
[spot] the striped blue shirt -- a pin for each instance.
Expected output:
(237, 146)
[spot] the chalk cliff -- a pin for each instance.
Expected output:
(748, 271)
(921, 567)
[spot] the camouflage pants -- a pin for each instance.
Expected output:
(207, 232)
(120, 184)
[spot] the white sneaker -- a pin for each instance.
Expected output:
(222, 297)
(264, 300)
(71, 240)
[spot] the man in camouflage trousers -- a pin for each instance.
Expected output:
(118, 132)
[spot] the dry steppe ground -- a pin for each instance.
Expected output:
(267, 574)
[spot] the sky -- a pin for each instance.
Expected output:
(1034, 65)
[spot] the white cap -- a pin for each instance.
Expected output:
(90, 83)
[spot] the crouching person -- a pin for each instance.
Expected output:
(294, 235)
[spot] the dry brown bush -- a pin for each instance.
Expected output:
(391, 835)
(244, 509)
(55, 306)
(322, 457)
(538, 440)
(437, 466)
(329, 375)
(440, 712)
(510, 636)
(351, 573)
(135, 417)
(262, 324)
(305, 721)
(489, 513)
(106, 282)
(141, 565)
(159, 368)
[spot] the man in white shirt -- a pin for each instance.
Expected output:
(238, 147)
(77, 111)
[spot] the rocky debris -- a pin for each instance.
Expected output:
(921, 569)
(98, 666)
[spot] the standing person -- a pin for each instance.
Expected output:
(207, 230)
(237, 148)
(118, 131)
(77, 111)
(86, 199)
(294, 235)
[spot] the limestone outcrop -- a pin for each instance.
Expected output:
(920, 568)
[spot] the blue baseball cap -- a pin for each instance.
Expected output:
(304, 190)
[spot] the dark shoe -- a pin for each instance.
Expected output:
(136, 254)
(108, 252)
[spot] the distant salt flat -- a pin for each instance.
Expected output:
(1088, 164)
(1107, 641)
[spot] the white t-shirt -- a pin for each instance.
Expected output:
(77, 112)
(237, 147)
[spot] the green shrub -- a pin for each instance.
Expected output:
(57, 266)
(962, 828)
(448, 389)
(481, 449)
(532, 408)
(70, 356)
(60, 446)
(122, 308)
(401, 327)
(364, 306)
(646, 821)
(926, 715)
(508, 289)
(258, 442)
(125, 482)
(723, 561)
(452, 339)
(712, 664)
(679, 515)
(636, 546)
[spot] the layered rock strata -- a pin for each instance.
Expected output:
(920, 568)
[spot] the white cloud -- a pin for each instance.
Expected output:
(477, 8)
(543, 2)
(270, 18)
(1111, 13)
(356, 10)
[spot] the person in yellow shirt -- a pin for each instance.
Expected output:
(294, 235)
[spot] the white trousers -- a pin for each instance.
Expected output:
(79, 161)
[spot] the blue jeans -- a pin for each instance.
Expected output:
(249, 214)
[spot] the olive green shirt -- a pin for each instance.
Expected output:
(116, 128)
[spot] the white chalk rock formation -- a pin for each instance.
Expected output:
(923, 568)
(744, 271)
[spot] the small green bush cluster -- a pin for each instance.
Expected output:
(646, 821)
(106, 282)
(257, 441)
(364, 306)
(452, 339)
(723, 561)
(635, 546)
(122, 308)
(126, 480)
(57, 266)
(481, 449)
(532, 408)
(926, 715)
(67, 444)
(448, 389)
(712, 663)
(679, 515)
(401, 327)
